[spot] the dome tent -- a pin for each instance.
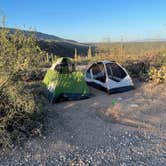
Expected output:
(108, 76)
(62, 81)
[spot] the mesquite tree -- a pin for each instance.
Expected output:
(18, 52)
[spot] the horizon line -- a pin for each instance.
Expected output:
(102, 41)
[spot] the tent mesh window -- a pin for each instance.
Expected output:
(88, 74)
(109, 71)
(99, 72)
(65, 67)
(117, 71)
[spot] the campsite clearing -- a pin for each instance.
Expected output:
(120, 129)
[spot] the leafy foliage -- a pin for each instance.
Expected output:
(20, 105)
(18, 52)
(158, 75)
(20, 114)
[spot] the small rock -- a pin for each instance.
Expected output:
(134, 105)
(119, 98)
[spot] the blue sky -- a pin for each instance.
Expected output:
(89, 20)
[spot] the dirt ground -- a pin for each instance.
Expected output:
(120, 129)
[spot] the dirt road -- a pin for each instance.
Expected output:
(121, 129)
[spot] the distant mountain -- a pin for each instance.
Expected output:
(56, 45)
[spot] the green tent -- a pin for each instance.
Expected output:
(63, 82)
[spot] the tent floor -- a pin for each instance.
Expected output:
(110, 91)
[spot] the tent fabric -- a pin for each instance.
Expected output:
(108, 76)
(59, 61)
(62, 83)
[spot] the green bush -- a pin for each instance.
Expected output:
(137, 69)
(21, 113)
(158, 75)
(21, 109)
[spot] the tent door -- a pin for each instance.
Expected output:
(115, 72)
(99, 74)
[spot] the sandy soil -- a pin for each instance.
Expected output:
(121, 129)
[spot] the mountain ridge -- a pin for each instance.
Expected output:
(54, 44)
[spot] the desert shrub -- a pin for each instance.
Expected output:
(163, 58)
(155, 58)
(20, 113)
(148, 64)
(21, 110)
(157, 71)
(136, 68)
(18, 52)
(152, 67)
(158, 75)
(30, 75)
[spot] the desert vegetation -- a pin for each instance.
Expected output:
(144, 60)
(21, 106)
(21, 70)
(83, 83)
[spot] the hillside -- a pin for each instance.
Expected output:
(56, 45)
(65, 47)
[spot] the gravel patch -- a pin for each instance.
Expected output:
(76, 134)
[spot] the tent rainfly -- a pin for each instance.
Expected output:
(63, 82)
(108, 76)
